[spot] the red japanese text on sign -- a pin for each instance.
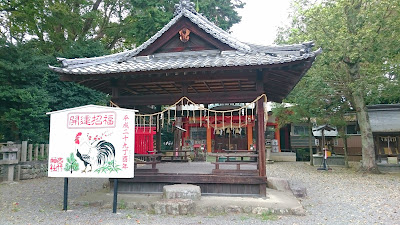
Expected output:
(125, 147)
(56, 164)
(91, 120)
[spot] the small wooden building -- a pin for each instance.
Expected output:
(385, 125)
(191, 57)
(325, 137)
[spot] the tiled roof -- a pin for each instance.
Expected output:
(244, 54)
(182, 60)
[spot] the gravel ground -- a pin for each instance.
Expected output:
(340, 196)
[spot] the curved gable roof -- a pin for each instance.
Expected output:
(231, 67)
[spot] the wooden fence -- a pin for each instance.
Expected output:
(32, 152)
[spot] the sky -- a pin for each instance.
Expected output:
(260, 20)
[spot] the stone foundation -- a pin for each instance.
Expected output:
(174, 207)
(334, 160)
(283, 156)
(182, 191)
(389, 168)
(1, 173)
(31, 170)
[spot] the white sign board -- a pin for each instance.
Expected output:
(92, 141)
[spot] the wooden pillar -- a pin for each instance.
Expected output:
(41, 151)
(261, 139)
(249, 136)
(24, 151)
(278, 136)
(260, 126)
(185, 122)
(158, 133)
(186, 134)
(30, 147)
(114, 90)
(36, 152)
(47, 147)
(209, 139)
(19, 146)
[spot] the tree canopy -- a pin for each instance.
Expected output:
(33, 33)
(360, 54)
(117, 24)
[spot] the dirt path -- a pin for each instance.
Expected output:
(340, 196)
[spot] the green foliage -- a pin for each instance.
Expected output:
(302, 154)
(33, 33)
(122, 204)
(360, 61)
(23, 101)
(72, 164)
(117, 24)
(151, 15)
(167, 137)
(28, 89)
(360, 48)
(109, 167)
(265, 216)
(221, 12)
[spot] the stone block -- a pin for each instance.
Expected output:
(260, 210)
(298, 211)
(233, 209)
(182, 191)
(283, 156)
(279, 184)
(299, 192)
(334, 160)
(174, 207)
(218, 209)
(247, 209)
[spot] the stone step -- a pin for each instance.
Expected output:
(174, 207)
(182, 191)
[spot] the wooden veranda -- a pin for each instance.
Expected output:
(191, 57)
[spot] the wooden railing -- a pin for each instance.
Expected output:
(237, 158)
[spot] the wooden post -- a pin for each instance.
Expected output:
(278, 136)
(249, 136)
(209, 146)
(42, 151)
(19, 146)
(47, 146)
(36, 152)
(18, 172)
(24, 151)
(158, 133)
(261, 138)
(30, 152)
(260, 125)
(186, 134)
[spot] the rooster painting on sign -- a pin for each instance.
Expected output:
(93, 150)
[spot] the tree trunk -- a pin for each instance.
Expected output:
(310, 141)
(344, 137)
(367, 141)
(346, 157)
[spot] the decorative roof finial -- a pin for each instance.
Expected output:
(184, 4)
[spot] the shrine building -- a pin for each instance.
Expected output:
(212, 89)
